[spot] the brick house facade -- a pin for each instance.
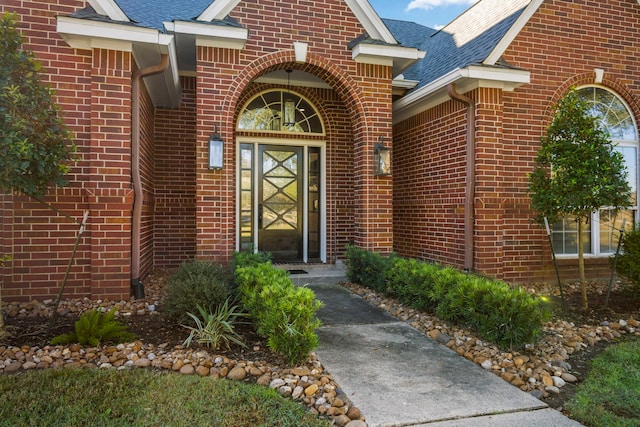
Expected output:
(142, 169)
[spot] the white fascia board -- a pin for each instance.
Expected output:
(384, 54)
(218, 9)
(404, 83)
(109, 8)
(370, 20)
(513, 32)
(506, 77)
(213, 35)
(85, 34)
(468, 78)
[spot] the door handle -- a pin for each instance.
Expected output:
(260, 216)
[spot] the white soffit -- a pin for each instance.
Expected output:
(211, 35)
(399, 57)
(146, 45)
(109, 8)
(466, 79)
(87, 34)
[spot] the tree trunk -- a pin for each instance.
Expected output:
(3, 329)
(583, 281)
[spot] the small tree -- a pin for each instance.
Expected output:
(35, 146)
(577, 171)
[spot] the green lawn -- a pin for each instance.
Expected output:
(140, 397)
(610, 395)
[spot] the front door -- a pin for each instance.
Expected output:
(280, 202)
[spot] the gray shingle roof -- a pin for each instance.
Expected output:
(467, 40)
(152, 13)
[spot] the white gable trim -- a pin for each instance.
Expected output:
(370, 20)
(466, 79)
(218, 9)
(515, 29)
(368, 17)
(109, 8)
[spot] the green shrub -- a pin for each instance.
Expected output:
(412, 282)
(197, 283)
(503, 315)
(93, 328)
(628, 265)
(284, 314)
(217, 329)
(508, 317)
(249, 259)
(366, 268)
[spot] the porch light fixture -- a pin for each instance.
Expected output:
(216, 144)
(381, 159)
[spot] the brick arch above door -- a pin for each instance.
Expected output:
(344, 85)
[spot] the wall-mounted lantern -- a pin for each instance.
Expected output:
(381, 159)
(216, 152)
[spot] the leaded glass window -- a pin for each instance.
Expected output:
(280, 111)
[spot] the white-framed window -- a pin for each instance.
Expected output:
(601, 234)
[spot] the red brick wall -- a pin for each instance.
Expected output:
(175, 186)
(429, 185)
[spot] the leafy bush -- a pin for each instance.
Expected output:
(197, 283)
(215, 330)
(366, 268)
(249, 259)
(629, 260)
(94, 327)
(284, 314)
(507, 316)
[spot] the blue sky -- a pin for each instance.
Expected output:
(432, 13)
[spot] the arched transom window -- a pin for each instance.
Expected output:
(601, 235)
(280, 111)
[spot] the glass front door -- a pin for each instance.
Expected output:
(280, 201)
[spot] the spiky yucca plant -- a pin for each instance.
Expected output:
(217, 329)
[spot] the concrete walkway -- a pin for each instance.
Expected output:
(400, 377)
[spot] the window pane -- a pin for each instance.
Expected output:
(610, 226)
(565, 237)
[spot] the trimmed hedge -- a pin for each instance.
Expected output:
(284, 314)
(506, 316)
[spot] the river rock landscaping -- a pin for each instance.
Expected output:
(546, 369)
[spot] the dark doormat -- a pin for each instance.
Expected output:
(297, 272)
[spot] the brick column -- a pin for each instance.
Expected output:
(489, 200)
(215, 199)
(109, 190)
(374, 195)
